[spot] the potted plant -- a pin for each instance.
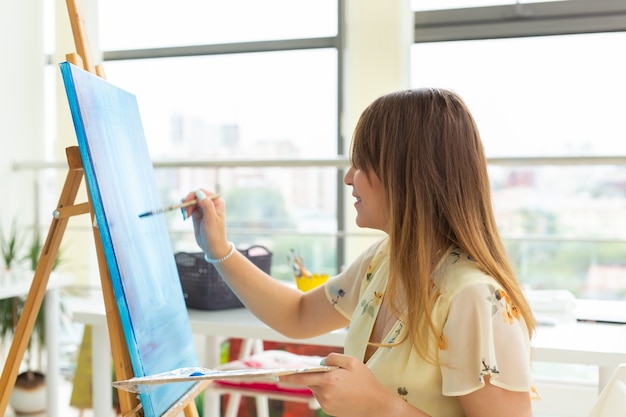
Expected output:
(29, 393)
(10, 246)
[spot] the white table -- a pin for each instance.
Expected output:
(597, 344)
(214, 325)
(13, 287)
(601, 345)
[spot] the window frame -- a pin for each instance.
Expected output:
(520, 20)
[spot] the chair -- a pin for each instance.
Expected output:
(612, 399)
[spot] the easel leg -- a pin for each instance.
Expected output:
(40, 280)
(121, 359)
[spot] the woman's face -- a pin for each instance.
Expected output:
(371, 205)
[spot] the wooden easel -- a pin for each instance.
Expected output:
(66, 208)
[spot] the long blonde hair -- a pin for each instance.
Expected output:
(425, 148)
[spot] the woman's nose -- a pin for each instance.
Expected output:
(347, 178)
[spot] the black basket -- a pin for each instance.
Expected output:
(204, 288)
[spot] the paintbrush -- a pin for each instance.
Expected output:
(175, 207)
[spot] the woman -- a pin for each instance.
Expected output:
(438, 324)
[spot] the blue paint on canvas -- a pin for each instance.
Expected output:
(138, 251)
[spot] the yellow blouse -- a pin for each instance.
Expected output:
(480, 333)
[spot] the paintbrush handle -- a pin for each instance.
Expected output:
(176, 206)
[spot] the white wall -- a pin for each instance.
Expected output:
(21, 104)
(22, 124)
(378, 37)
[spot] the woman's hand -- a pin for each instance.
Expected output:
(351, 390)
(209, 223)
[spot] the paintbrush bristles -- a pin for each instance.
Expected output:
(175, 206)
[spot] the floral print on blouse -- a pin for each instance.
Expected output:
(481, 332)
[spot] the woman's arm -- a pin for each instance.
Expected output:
(284, 308)
(492, 401)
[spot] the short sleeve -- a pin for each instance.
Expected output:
(484, 335)
(343, 291)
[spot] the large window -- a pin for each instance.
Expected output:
(218, 98)
(549, 110)
(542, 79)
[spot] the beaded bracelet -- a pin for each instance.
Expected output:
(223, 258)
